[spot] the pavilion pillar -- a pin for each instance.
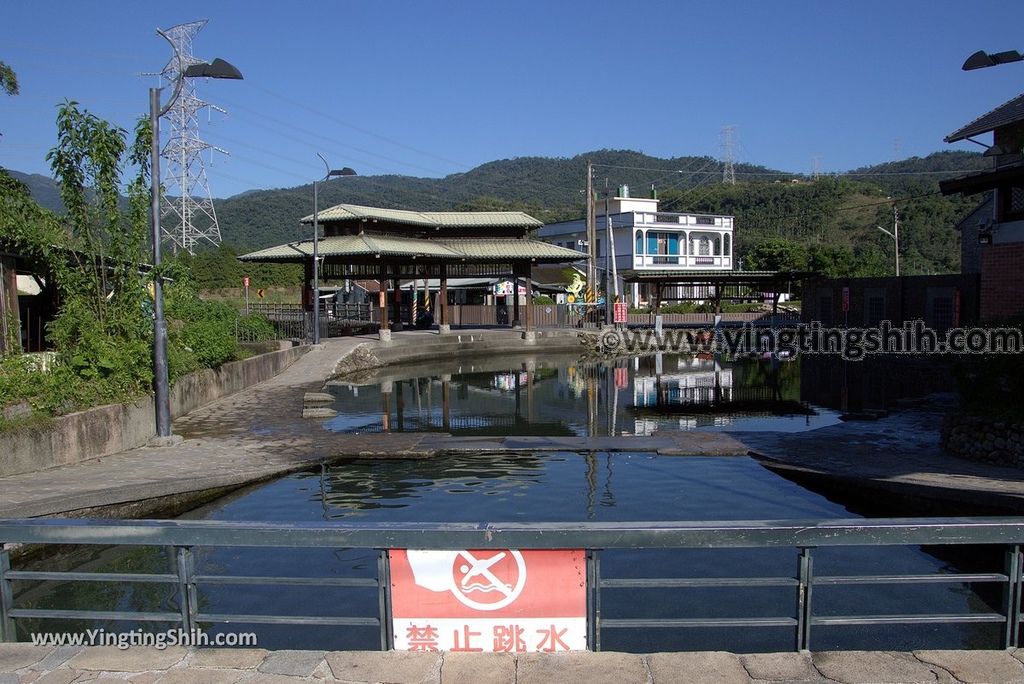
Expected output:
(442, 301)
(397, 327)
(515, 298)
(529, 297)
(382, 301)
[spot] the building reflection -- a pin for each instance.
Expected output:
(538, 396)
(707, 391)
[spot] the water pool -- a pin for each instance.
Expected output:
(558, 487)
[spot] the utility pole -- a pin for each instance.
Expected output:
(591, 230)
(895, 235)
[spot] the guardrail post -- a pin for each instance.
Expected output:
(1012, 597)
(387, 638)
(7, 631)
(187, 588)
(803, 600)
(593, 600)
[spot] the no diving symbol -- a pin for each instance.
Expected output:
(480, 585)
(482, 580)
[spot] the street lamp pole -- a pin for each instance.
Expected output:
(316, 241)
(161, 384)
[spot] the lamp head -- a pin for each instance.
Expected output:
(982, 59)
(347, 171)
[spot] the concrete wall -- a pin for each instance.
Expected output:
(109, 429)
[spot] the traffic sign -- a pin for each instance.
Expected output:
(261, 293)
(245, 281)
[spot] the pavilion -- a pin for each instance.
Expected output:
(392, 245)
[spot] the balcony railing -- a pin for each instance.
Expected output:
(660, 261)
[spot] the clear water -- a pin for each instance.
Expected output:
(557, 396)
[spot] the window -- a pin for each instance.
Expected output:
(639, 242)
(1012, 201)
(717, 242)
(728, 245)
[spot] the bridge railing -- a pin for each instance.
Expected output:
(183, 537)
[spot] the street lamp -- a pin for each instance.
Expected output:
(218, 68)
(331, 173)
(982, 59)
(895, 235)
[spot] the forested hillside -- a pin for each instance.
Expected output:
(782, 219)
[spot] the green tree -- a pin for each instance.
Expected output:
(775, 254)
(8, 79)
(102, 328)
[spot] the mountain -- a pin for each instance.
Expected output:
(43, 188)
(841, 210)
(549, 188)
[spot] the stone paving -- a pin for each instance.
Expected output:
(27, 664)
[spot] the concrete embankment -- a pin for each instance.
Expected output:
(106, 430)
(176, 665)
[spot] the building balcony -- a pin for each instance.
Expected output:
(685, 221)
(681, 261)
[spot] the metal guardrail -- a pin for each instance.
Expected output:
(802, 536)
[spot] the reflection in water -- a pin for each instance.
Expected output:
(565, 396)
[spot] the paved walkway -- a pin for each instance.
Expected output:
(25, 664)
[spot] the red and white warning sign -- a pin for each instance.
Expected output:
(496, 600)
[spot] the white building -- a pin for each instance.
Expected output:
(648, 239)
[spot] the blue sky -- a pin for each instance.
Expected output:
(433, 88)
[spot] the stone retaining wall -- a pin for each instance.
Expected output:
(983, 439)
(109, 429)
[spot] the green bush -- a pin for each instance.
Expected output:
(543, 299)
(254, 328)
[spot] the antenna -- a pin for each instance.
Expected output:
(728, 172)
(186, 205)
(816, 166)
